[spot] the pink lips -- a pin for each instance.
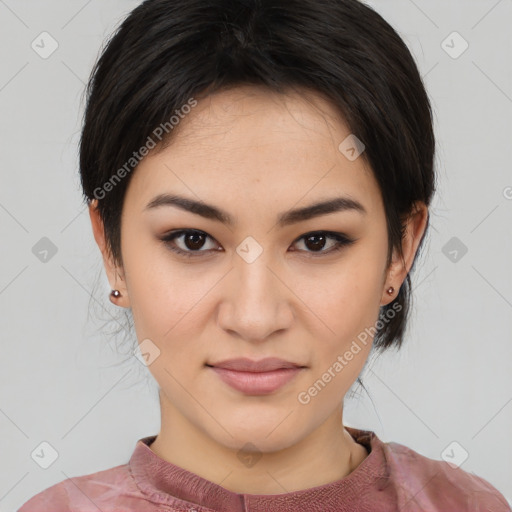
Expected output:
(256, 377)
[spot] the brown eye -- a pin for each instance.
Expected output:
(317, 241)
(192, 241)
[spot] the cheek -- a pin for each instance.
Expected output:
(344, 336)
(344, 294)
(172, 307)
(164, 298)
(345, 300)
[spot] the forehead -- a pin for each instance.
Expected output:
(252, 142)
(262, 113)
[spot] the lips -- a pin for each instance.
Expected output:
(248, 365)
(256, 377)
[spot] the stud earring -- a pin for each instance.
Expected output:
(390, 290)
(115, 294)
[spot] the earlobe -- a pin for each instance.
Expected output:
(119, 295)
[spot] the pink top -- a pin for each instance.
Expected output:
(392, 477)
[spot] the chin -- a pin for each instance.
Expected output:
(262, 437)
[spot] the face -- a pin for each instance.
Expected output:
(302, 288)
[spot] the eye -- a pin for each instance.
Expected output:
(193, 242)
(316, 241)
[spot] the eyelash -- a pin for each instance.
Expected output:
(342, 242)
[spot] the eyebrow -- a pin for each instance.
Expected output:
(334, 205)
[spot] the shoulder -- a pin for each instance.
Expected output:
(423, 483)
(105, 490)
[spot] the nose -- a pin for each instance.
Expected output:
(256, 301)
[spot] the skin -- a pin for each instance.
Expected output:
(256, 154)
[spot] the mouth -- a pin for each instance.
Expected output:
(256, 377)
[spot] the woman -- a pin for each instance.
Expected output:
(258, 176)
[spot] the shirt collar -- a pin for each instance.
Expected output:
(165, 483)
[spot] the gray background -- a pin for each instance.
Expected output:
(62, 378)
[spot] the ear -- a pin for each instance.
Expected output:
(116, 279)
(398, 269)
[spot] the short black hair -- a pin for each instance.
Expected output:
(166, 52)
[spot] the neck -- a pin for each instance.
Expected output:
(327, 454)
